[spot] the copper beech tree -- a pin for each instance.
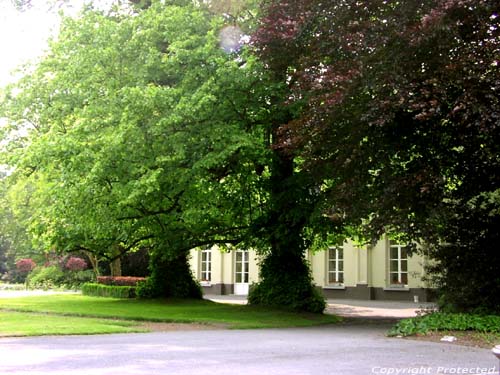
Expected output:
(396, 117)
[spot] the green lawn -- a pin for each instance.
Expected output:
(26, 324)
(177, 311)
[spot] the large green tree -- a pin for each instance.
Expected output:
(144, 132)
(141, 132)
(398, 121)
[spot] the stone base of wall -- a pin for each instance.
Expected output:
(218, 289)
(364, 292)
(359, 292)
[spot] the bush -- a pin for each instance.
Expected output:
(439, 321)
(51, 277)
(120, 280)
(75, 264)
(25, 265)
(101, 290)
(45, 278)
(75, 279)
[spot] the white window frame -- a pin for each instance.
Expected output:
(337, 270)
(399, 269)
(243, 274)
(206, 266)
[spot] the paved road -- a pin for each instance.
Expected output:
(340, 350)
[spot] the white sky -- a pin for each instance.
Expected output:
(23, 35)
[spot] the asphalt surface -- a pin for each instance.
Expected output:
(357, 347)
(341, 349)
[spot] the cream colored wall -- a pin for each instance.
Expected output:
(223, 263)
(365, 265)
(362, 265)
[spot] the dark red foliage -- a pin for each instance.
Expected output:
(397, 99)
(397, 116)
(25, 266)
(119, 280)
(75, 264)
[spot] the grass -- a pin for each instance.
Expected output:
(25, 324)
(171, 311)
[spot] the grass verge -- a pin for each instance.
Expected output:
(170, 311)
(26, 324)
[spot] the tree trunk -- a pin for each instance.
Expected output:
(94, 261)
(116, 263)
(285, 276)
(170, 276)
(116, 267)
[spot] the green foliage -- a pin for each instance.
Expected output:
(49, 277)
(100, 290)
(170, 278)
(53, 277)
(439, 321)
(286, 283)
(138, 131)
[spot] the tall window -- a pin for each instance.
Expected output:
(241, 269)
(206, 265)
(336, 265)
(398, 264)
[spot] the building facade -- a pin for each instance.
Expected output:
(384, 271)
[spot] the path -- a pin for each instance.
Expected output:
(350, 308)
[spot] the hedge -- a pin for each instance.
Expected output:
(119, 280)
(100, 290)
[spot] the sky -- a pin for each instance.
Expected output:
(23, 35)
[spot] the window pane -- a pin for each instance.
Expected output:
(394, 278)
(394, 253)
(341, 265)
(239, 267)
(341, 253)
(331, 253)
(394, 266)
(239, 256)
(246, 267)
(404, 265)
(246, 278)
(404, 278)
(331, 278)
(404, 253)
(341, 277)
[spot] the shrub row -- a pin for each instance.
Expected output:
(101, 290)
(119, 280)
(446, 322)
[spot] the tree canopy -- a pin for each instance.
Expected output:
(399, 121)
(140, 131)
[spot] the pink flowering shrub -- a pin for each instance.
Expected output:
(25, 265)
(75, 264)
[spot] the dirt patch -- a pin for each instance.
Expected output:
(166, 327)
